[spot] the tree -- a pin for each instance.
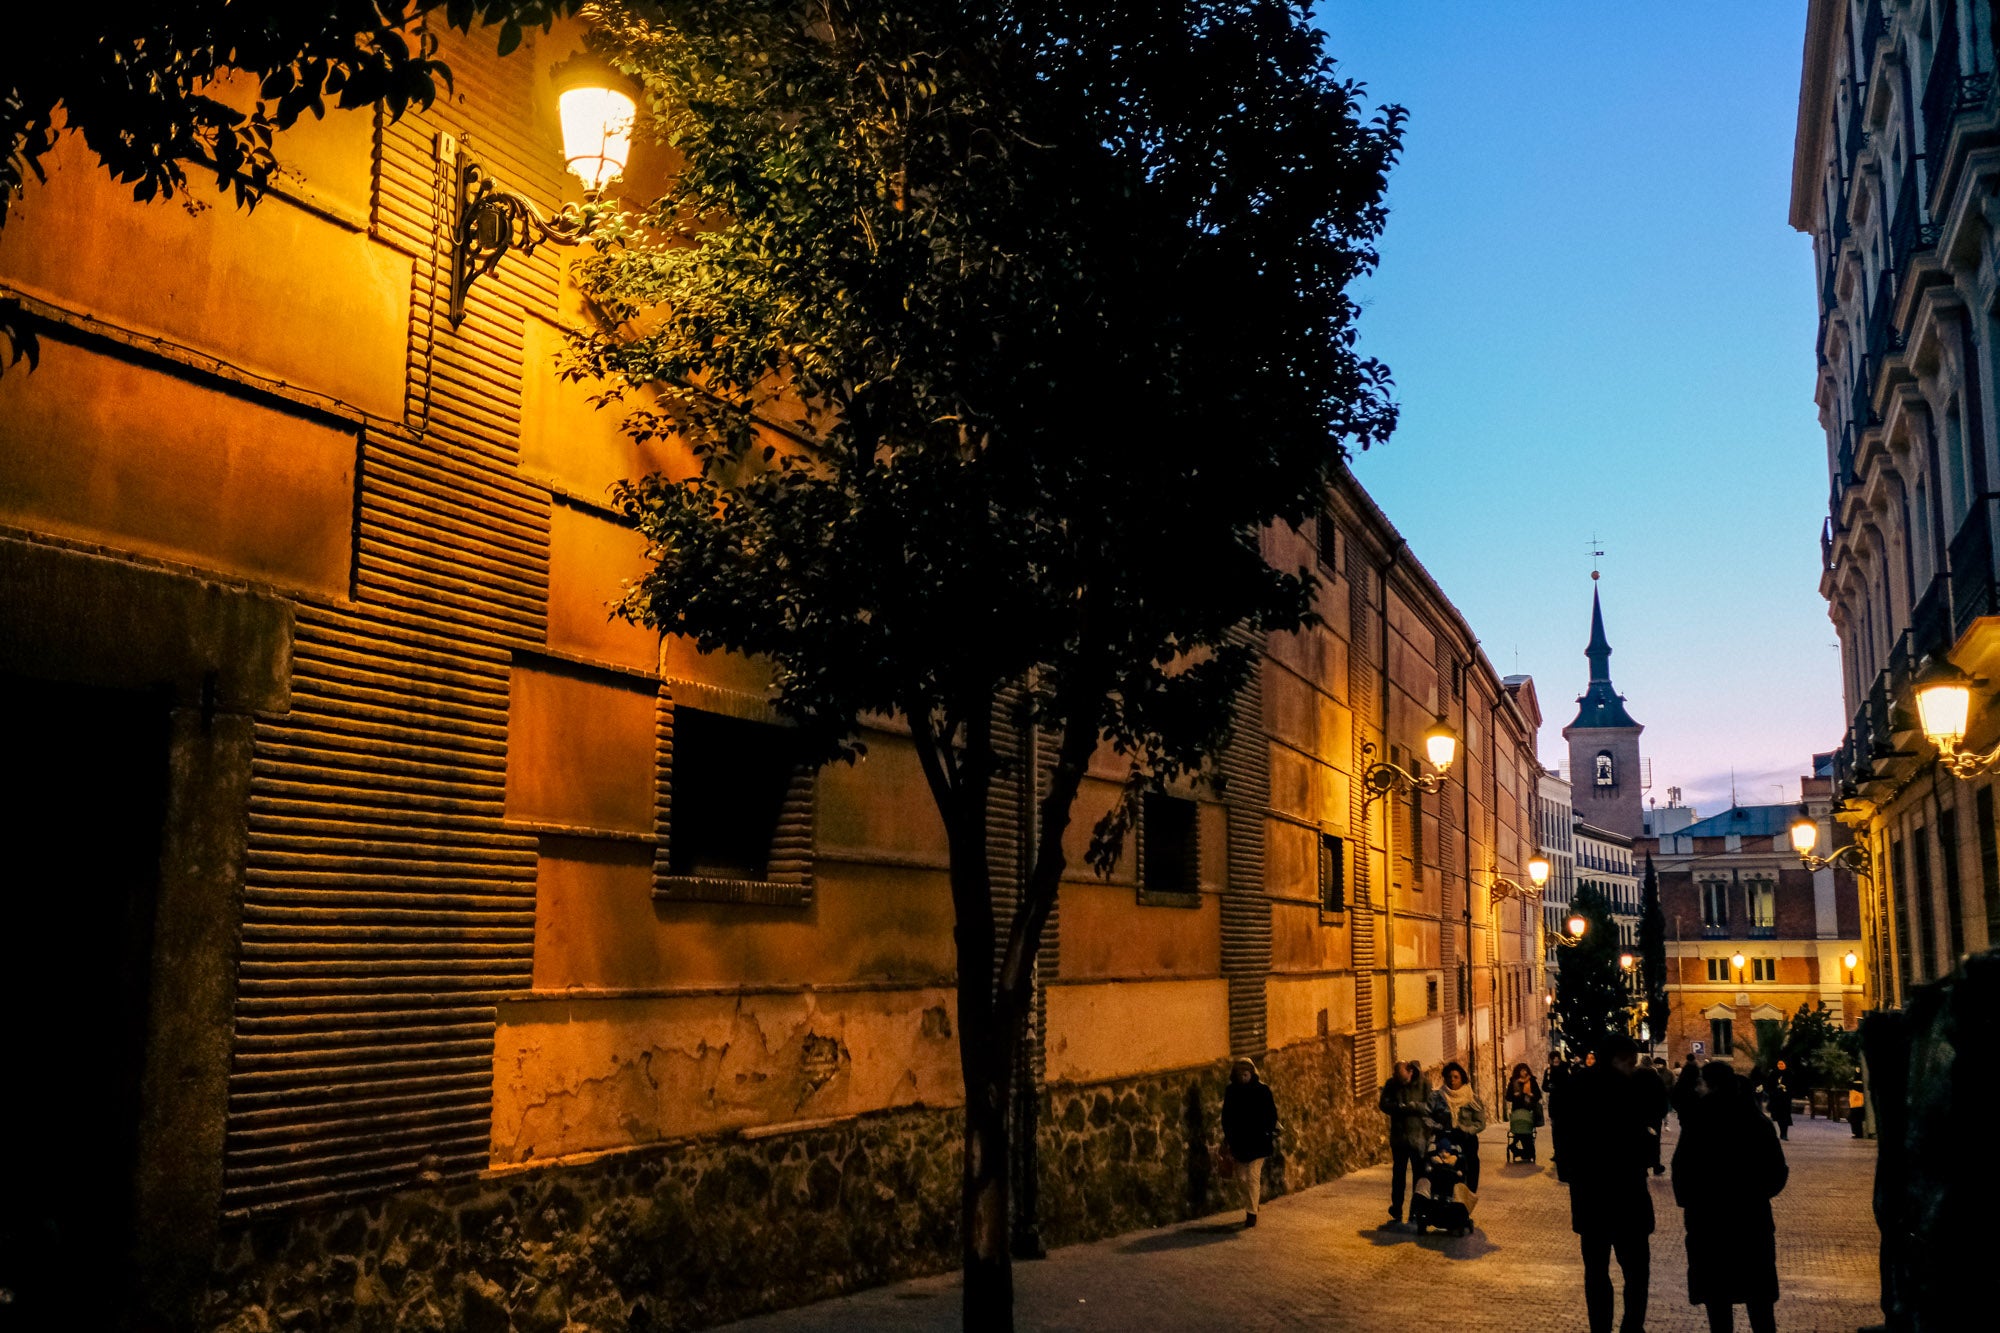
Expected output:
(139, 80)
(1052, 299)
(1592, 1002)
(1653, 954)
(1817, 1051)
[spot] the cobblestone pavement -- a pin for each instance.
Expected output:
(1317, 1262)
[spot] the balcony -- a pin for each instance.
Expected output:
(1713, 932)
(1862, 407)
(1763, 932)
(1857, 131)
(1930, 623)
(1879, 332)
(1972, 593)
(1949, 93)
(1908, 237)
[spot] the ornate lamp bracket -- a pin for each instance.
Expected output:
(1853, 857)
(494, 222)
(1966, 764)
(1382, 778)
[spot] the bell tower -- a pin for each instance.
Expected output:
(1603, 741)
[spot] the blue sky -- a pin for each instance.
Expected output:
(1600, 323)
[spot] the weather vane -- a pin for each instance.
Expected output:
(1596, 554)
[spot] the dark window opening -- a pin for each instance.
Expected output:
(1332, 873)
(1954, 911)
(1721, 1036)
(1989, 863)
(1920, 880)
(1899, 896)
(1329, 544)
(729, 782)
(1169, 854)
(1430, 995)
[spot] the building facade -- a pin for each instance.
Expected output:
(1604, 862)
(1893, 180)
(1751, 934)
(1555, 825)
(480, 954)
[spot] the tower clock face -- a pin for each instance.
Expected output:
(1604, 775)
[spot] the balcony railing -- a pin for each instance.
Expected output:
(1863, 405)
(1908, 235)
(1880, 336)
(1876, 711)
(1930, 622)
(1940, 101)
(1972, 593)
(1763, 932)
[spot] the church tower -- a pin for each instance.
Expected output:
(1604, 769)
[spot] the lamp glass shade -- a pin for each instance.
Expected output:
(1805, 834)
(1737, 962)
(597, 133)
(1538, 870)
(1852, 960)
(1577, 925)
(1441, 746)
(1625, 960)
(1943, 705)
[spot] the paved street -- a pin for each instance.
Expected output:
(1317, 1262)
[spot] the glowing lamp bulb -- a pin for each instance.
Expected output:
(1853, 960)
(1625, 960)
(1736, 961)
(1944, 702)
(1441, 746)
(1538, 870)
(597, 133)
(1805, 835)
(1577, 925)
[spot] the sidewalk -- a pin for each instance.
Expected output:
(1316, 1261)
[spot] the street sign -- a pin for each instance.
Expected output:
(1696, 1048)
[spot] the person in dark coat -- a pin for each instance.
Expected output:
(1658, 1128)
(1608, 1111)
(1727, 1169)
(1778, 1096)
(1250, 1128)
(1524, 1111)
(1406, 1101)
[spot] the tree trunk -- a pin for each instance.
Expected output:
(989, 1263)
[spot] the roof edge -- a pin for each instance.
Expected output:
(1815, 67)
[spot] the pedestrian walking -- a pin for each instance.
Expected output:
(1778, 1095)
(1406, 1101)
(1524, 1114)
(1857, 1107)
(1656, 1131)
(1727, 1169)
(1605, 1158)
(1449, 1188)
(1456, 1109)
(1250, 1128)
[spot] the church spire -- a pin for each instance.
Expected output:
(1600, 705)
(1599, 651)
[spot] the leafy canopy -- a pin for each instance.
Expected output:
(1051, 300)
(136, 78)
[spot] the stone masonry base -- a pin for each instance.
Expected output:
(688, 1235)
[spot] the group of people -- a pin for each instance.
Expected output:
(1606, 1117)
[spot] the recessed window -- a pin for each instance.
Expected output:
(1332, 873)
(1721, 1037)
(1430, 995)
(729, 782)
(1329, 544)
(1715, 905)
(1718, 969)
(1763, 902)
(1763, 969)
(1168, 857)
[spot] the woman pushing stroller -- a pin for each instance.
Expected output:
(1449, 1188)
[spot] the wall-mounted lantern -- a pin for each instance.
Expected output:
(1440, 747)
(493, 222)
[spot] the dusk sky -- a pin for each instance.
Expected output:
(1600, 323)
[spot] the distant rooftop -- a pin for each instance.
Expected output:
(1755, 821)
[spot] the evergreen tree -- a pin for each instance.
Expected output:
(1653, 953)
(1592, 1002)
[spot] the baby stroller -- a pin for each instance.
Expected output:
(1443, 1197)
(1521, 1134)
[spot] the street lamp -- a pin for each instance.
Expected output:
(1538, 870)
(1805, 836)
(1574, 928)
(1851, 961)
(1440, 747)
(1627, 961)
(493, 221)
(1944, 708)
(1538, 878)
(1737, 960)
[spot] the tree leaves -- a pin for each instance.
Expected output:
(132, 79)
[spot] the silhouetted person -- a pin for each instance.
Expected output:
(1778, 1098)
(1605, 1156)
(1250, 1127)
(1406, 1101)
(1648, 1070)
(1727, 1170)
